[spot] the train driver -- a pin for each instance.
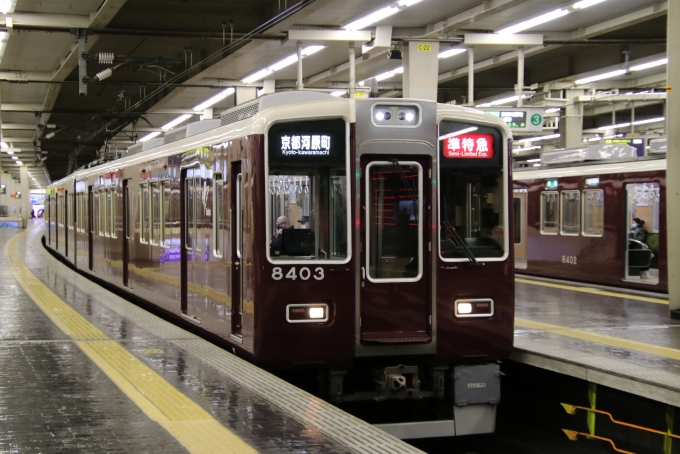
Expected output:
(282, 223)
(304, 222)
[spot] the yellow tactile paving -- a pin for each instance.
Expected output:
(612, 341)
(595, 291)
(186, 421)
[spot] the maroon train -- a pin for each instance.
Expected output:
(574, 222)
(311, 231)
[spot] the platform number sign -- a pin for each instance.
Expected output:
(536, 119)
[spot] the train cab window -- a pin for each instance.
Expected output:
(472, 193)
(549, 213)
(570, 213)
(144, 213)
(593, 212)
(307, 184)
(218, 209)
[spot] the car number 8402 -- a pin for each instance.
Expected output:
(304, 273)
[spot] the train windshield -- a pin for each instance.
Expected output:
(471, 192)
(307, 184)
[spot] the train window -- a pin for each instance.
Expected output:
(570, 213)
(218, 209)
(394, 219)
(127, 206)
(593, 212)
(144, 213)
(549, 213)
(101, 200)
(107, 212)
(155, 213)
(472, 192)
(166, 228)
(307, 182)
(517, 219)
(189, 191)
(112, 220)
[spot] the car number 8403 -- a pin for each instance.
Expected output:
(304, 273)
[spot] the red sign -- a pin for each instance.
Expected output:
(469, 145)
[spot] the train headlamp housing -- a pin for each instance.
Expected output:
(307, 313)
(480, 307)
(396, 115)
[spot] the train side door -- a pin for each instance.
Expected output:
(90, 227)
(66, 218)
(194, 245)
(127, 230)
(519, 203)
(642, 241)
(236, 228)
(396, 255)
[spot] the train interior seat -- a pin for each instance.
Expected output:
(297, 242)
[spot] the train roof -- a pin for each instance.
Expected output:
(629, 165)
(246, 116)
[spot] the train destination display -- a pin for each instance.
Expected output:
(469, 145)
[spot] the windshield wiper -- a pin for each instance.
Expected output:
(457, 241)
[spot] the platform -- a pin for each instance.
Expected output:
(623, 340)
(100, 374)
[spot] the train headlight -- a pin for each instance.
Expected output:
(407, 116)
(307, 313)
(480, 307)
(383, 115)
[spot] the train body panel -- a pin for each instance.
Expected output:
(601, 257)
(406, 253)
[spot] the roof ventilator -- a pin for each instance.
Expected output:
(191, 129)
(143, 146)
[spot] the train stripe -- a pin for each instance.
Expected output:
(185, 420)
(589, 336)
(595, 291)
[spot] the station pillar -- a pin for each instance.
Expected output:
(421, 70)
(673, 155)
(245, 94)
(25, 201)
(571, 124)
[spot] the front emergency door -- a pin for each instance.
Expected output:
(395, 295)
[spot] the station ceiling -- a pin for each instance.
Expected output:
(171, 55)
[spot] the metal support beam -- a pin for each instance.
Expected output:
(82, 63)
(471, 77)
(352, 71)
(519, 88)
(673, 183)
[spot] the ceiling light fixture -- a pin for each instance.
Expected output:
(149, 136)
(651, 64)
(608, 75)
(388, 74)
(586, 3)
(535, 147)
(19, 163)
(533, 139)
(534, 22)
(451, 52)
(501, 101)
(289, 60)
(3, 145)
(176, 121)
(338, 93)
(372, 18)
(552, 110)
(635, 123)
(214, 100)
(534, 160)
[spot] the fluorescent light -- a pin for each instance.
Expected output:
(149, 136)
(407, 3)
(338, 93)
(551, 110)
(176, 121)
(501, 101)
(215, 99)
(6, 6)
(372, 18)
(586, 80)
(635, 123)
(586, 3)
(537, 165)
(3, 145)
(535, 147)
(14, 157)
(457, 133)
(533, 139)
(19, 163)
(9, 152)
(534, 22)
(389, 74)
(451, 52)
(289, 60)
(612, 136)
(651, 64)
(534, 160)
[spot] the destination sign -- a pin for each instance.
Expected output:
(315, 142)
(306, 144)
(469, 145)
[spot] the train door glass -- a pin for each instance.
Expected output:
(642, 242)
(127, 231)
(236, 210)
(90, 227)
(520, 224)
(66, 221)
(394, 296)
(197, 221)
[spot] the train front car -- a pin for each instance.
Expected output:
(388, 255)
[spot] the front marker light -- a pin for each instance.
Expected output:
(307, 313)
(478, 307)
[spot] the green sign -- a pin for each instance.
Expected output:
(536, 119)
